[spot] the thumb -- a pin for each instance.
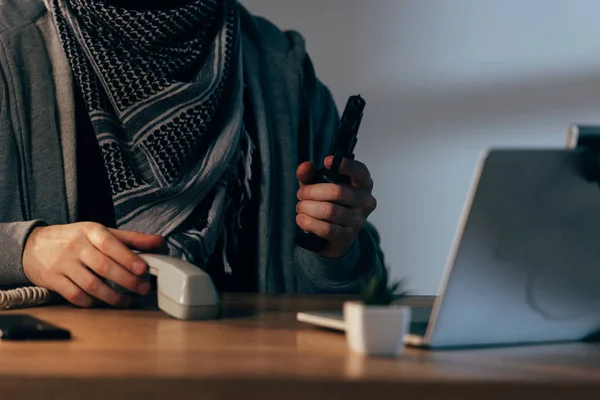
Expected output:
(306, 173)
(139, 241)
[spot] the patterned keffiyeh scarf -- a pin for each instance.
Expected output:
(164, 92)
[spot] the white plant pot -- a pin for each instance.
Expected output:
(376, 330)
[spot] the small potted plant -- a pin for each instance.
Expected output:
(376, 325)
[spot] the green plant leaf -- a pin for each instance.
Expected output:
(376, 290)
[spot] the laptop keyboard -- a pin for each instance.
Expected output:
(420, 320)
(418, 328)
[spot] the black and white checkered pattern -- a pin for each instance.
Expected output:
(153, 82)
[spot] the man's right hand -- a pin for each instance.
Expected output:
(71, 260)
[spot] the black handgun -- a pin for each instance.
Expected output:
(342, 147)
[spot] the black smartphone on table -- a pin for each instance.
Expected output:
(27, 327)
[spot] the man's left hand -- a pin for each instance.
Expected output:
(335, 212)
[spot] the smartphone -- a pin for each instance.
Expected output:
(26, 327)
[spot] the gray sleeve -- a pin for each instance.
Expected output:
(13, 236)
(13, 232)
(316, 274)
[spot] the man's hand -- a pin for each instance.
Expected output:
(336, 213)
(71, 260)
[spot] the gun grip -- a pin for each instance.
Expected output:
(310, 241)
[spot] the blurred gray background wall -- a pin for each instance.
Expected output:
(444, 80)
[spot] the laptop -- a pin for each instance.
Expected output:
(583, 136)
(524, 266)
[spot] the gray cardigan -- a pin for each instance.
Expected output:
(295, 117)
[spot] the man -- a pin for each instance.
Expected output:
(180, 126)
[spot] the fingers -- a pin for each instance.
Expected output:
(139, 241)
(306, 173)
(107, 268)
(71, 292)
(332, 213)
(323, 229)
(328, 192)
(356, 170)
(93, 286)
(74, 260)
(114, 244)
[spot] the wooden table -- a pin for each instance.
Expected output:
(259, 350)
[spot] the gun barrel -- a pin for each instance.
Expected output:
(347, 135)
(350, 124)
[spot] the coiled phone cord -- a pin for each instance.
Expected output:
(31, 296)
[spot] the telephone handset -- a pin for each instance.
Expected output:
(184, 290)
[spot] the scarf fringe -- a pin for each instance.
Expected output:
(243, 181)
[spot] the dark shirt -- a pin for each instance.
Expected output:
(96, 205)
(95, 202)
